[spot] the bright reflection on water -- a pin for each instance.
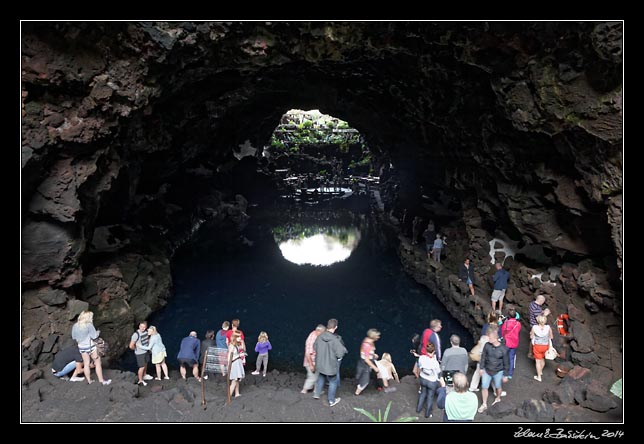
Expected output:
(316, 245)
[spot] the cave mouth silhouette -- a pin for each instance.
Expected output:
(319, 158)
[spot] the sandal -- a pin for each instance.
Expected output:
(537, 378)
(482, 408)
(496, 401)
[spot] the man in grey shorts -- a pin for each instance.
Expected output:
(501, 278)
(140, 338)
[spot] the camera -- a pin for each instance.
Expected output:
(448, 377)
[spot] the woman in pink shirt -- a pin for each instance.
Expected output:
(367, 360)
(510, 331)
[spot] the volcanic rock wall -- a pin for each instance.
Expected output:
(496, 130)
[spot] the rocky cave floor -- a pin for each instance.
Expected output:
(275, 398)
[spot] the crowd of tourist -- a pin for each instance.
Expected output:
(442, 374)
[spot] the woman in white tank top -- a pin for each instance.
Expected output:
(540, 337)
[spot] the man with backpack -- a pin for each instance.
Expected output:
(140, 339)
(430, 335)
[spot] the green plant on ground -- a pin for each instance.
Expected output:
(383, 418)
(365, 160)
(275, 143)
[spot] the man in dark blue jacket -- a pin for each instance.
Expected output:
(189, 355)
(466, 274)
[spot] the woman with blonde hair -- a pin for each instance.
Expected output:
(366, 363)
(158, 351)
(262, 347)
(84, 333)
(387, 372)
(540, 337)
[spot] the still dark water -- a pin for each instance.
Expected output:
(268, 293)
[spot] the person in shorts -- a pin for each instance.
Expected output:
(138, 341)
(189, 355)
(501, 277)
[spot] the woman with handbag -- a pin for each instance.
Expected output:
(84, 333)
(540, 337)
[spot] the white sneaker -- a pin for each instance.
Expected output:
(335, 402)
(255, 373)
(143, 383)
(473, 390)
(503, 393)
(107, 382)
(148, 377)
(76, 379)
(205, 376)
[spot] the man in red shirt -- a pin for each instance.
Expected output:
(234, 327)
